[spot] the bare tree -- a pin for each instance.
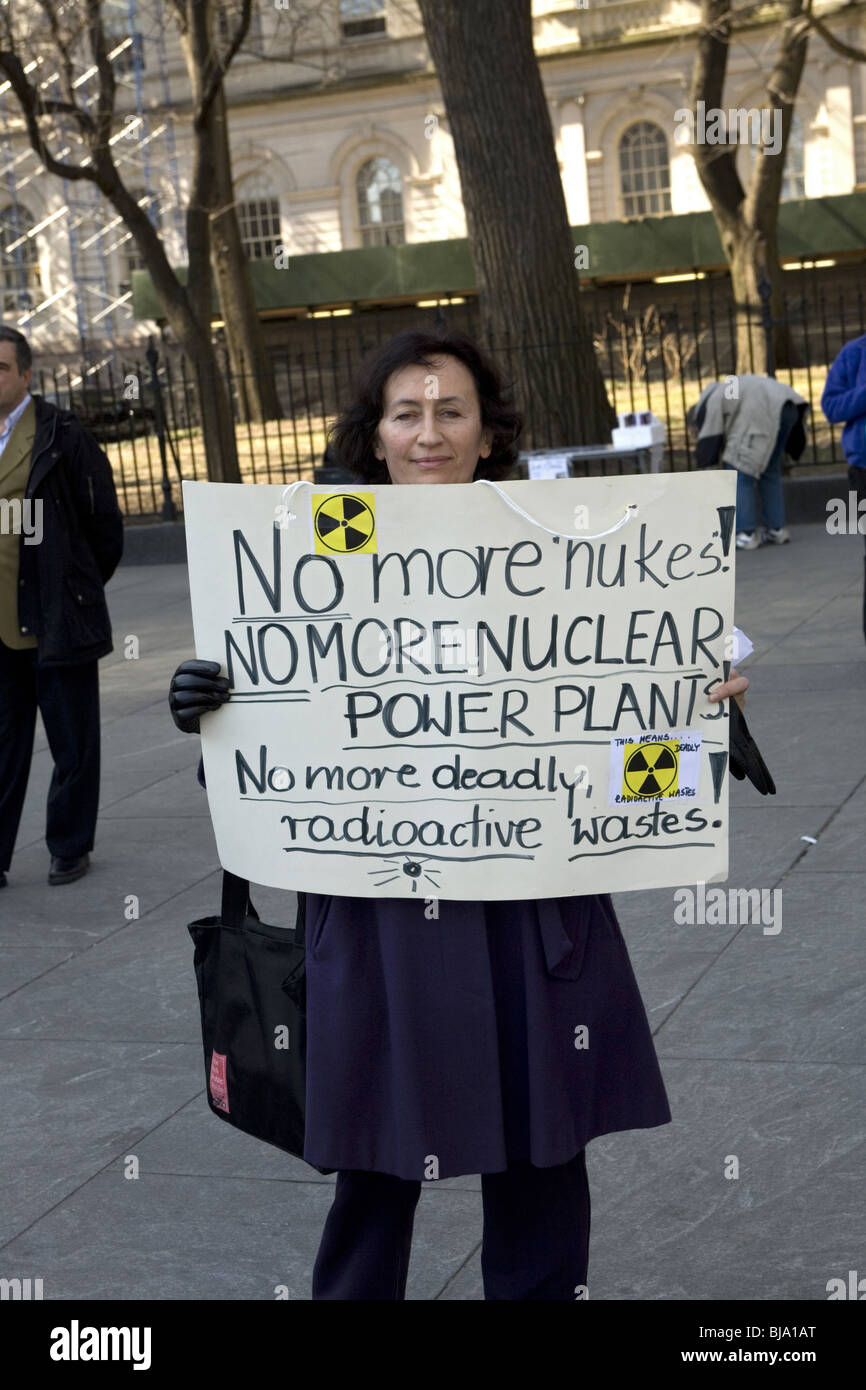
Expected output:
(747, 217)
(253, 375)
(515, 211)
(72, 136)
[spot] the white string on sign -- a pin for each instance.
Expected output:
(630, 511)
(290, 489)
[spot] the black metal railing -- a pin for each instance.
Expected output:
(655, 353)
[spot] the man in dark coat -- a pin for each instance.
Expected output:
(61, 537)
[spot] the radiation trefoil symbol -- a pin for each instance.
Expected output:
(650, 769)
(344, 523)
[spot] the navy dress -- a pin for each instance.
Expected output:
(499, 1031)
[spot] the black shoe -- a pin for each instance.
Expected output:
(68, 870)
(2, 880)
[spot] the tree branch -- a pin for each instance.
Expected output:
(31, 105)
(765, 186)
(715, 164)
(67, 69)
(845, 50)
(218, 67)
(107, 84)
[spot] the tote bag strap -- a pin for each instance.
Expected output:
(237, 907)
(235, 900)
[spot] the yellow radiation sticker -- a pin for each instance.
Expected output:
(344, 523)
(651, 769)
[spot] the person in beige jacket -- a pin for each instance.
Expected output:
(748, 422)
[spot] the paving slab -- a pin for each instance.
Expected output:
(760, 1037)
(217, 1238)
(797, 994)
(667, 1223)
(666, 974)
(19, 965)
(194, 1142)
(132, 854)
(136, 985)
(842, 841)
(69, 1108)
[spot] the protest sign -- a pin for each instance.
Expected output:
(433, 693)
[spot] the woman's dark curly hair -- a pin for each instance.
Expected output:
(350, 441)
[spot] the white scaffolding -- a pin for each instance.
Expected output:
(81, 306)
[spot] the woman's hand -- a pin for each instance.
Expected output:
(734, 687)
(196, 687)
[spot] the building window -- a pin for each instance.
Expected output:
(20, 281)
(380, 203)
(132, 257)
(259, 218)
(644, 170)
(361, 17)
(793, 177)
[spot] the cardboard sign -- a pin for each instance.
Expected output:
(434, 694)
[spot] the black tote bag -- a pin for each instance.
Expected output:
(252, 993)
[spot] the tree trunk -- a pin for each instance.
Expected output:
(747, 218)
(187, 308)
(188, 313)
(217, 422)
(211, 394)
(751, 254)
(516, 216)
(254, 378)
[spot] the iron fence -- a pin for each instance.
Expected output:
(655, 355)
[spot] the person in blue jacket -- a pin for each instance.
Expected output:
(445, 1045)
(844, 403)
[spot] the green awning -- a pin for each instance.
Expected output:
(809, 229)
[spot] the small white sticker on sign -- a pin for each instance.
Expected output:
(654, 767)
(549, 466)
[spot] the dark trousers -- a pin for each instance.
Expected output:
(535, 1241)
(68, 700)
(857, 482)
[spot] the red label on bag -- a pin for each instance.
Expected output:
(219, 1090)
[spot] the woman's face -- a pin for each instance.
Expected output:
(430, 430)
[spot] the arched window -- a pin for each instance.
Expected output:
(380, 203)
(20, 281)
(259, 217)
(644, 170)
(793, 177)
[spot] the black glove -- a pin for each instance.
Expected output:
(196, 687)
(745, 757)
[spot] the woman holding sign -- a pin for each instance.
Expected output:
(451, 1037)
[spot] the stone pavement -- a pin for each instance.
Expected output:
(760, 1036)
